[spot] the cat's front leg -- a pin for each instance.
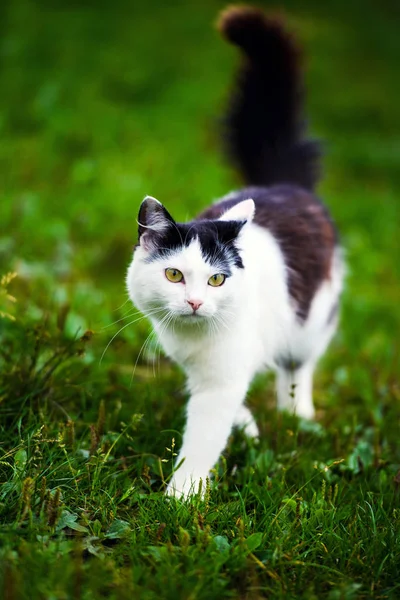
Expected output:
(245, 420)
(210, 416)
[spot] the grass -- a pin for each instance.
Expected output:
(99, 106)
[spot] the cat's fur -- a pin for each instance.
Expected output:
(275, 243)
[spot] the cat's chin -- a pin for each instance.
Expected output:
(192, 319)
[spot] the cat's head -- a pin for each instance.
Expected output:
(188, 273)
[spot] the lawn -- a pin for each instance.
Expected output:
(101, 104)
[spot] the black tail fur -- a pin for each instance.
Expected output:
(264, 126)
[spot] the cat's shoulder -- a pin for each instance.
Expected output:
(302, 227)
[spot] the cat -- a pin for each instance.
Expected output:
(253, 282)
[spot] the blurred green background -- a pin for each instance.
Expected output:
(105, 102)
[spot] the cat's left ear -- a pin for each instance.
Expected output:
(153, 220)
(242, 211)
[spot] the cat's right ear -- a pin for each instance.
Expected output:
(242, 211)
(153, 220)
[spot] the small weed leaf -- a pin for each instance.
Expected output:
(254, 541)
(290, 504)
(264, 460)
(361, 458)
(118, 529)
(312, 427)
(68, 519)
(222, 544)
(158, 553)
(345, 592)
(20, 460)
(93, 546)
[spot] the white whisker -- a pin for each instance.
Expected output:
(122, 305)
(147, 341)
(129, 314)
(151, 313)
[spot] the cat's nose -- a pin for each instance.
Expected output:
(195, 304)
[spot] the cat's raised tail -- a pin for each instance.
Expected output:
(264, 126)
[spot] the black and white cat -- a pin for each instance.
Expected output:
(254, 281)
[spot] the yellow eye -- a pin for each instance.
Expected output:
(173, 275)
(216, 280)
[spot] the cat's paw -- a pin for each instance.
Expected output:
(251, 430)
(244, 420)
(302, 411)
(305, 412)
(183, 487)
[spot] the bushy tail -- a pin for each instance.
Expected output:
(264, 127)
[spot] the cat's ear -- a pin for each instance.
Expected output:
(242, 211)
(153, 220)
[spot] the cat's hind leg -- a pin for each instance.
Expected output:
(294, 380)
(245, 420)
(294, 390)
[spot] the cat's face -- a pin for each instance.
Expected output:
(188, 273)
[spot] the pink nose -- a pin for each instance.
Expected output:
(195, 304)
